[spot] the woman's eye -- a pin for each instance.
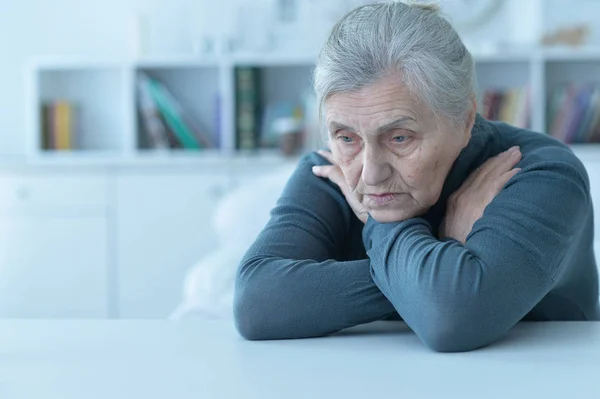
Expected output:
(346, 139)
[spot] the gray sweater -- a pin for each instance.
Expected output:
(316, 269)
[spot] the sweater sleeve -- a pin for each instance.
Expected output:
(461, 297)
(289, 284)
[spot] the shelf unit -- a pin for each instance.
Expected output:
(106, 93)
(108, 124)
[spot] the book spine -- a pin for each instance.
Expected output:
(524, 117)
(218, 141)
(152, 126)
(488, 97)
(587, 128)
(496, 105)
(563, 109)
(60, 125)
(68, 126)
(172, 116)
(188, 130)
(46, 128)
(507, 106)
(172, 140)
(52, 112)
(580, 103)
(247, 108)
(594, 129)
(580, 132)
(63, 126)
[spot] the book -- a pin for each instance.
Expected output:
(152, 124)
(171, 112)
(585, 128)
(47, 118)
(578, 111)
(179, 129)
(218, 142)
(247, 110)
(58, 125)
(510, 105)
(523, 111)
(574, 113)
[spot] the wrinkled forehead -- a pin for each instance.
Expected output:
(372, 108)
(385, 93)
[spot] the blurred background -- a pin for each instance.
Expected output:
(143, 142)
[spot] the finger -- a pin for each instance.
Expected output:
(331, 172)
(505, 178)
(500, 159)
(327, 155)
(509, 159)
(509, 162)
(500, 183)
(335, 175)
(497, 165)
(481, 173)
(322, 170)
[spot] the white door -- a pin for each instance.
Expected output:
(53, 266)
(164, 226)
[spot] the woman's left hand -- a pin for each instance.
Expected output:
(334, 174)
(467, 204)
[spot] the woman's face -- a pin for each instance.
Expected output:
(393, 151)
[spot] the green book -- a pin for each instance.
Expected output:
(172, 115)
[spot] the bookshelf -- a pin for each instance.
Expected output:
(195, 86)
(98, 97)
(499, 81)
(109, 130)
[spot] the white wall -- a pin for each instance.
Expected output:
(102, 28)
(560, 13)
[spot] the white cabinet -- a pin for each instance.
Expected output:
(53, 246)
(107, 242)
(163, 227)
(53, 267)
(66, 193)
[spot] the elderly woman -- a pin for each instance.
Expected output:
(423, 210)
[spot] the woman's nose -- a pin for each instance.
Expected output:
(376, 170)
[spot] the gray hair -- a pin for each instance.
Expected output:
(414, 39)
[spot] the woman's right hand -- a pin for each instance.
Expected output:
(334, 174)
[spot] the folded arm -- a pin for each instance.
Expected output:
(460, 297)
(288, 284)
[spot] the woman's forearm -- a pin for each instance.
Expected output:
(282, 299)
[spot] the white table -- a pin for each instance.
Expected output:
(160, 359)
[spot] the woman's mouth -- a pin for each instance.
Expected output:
(381, 199)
